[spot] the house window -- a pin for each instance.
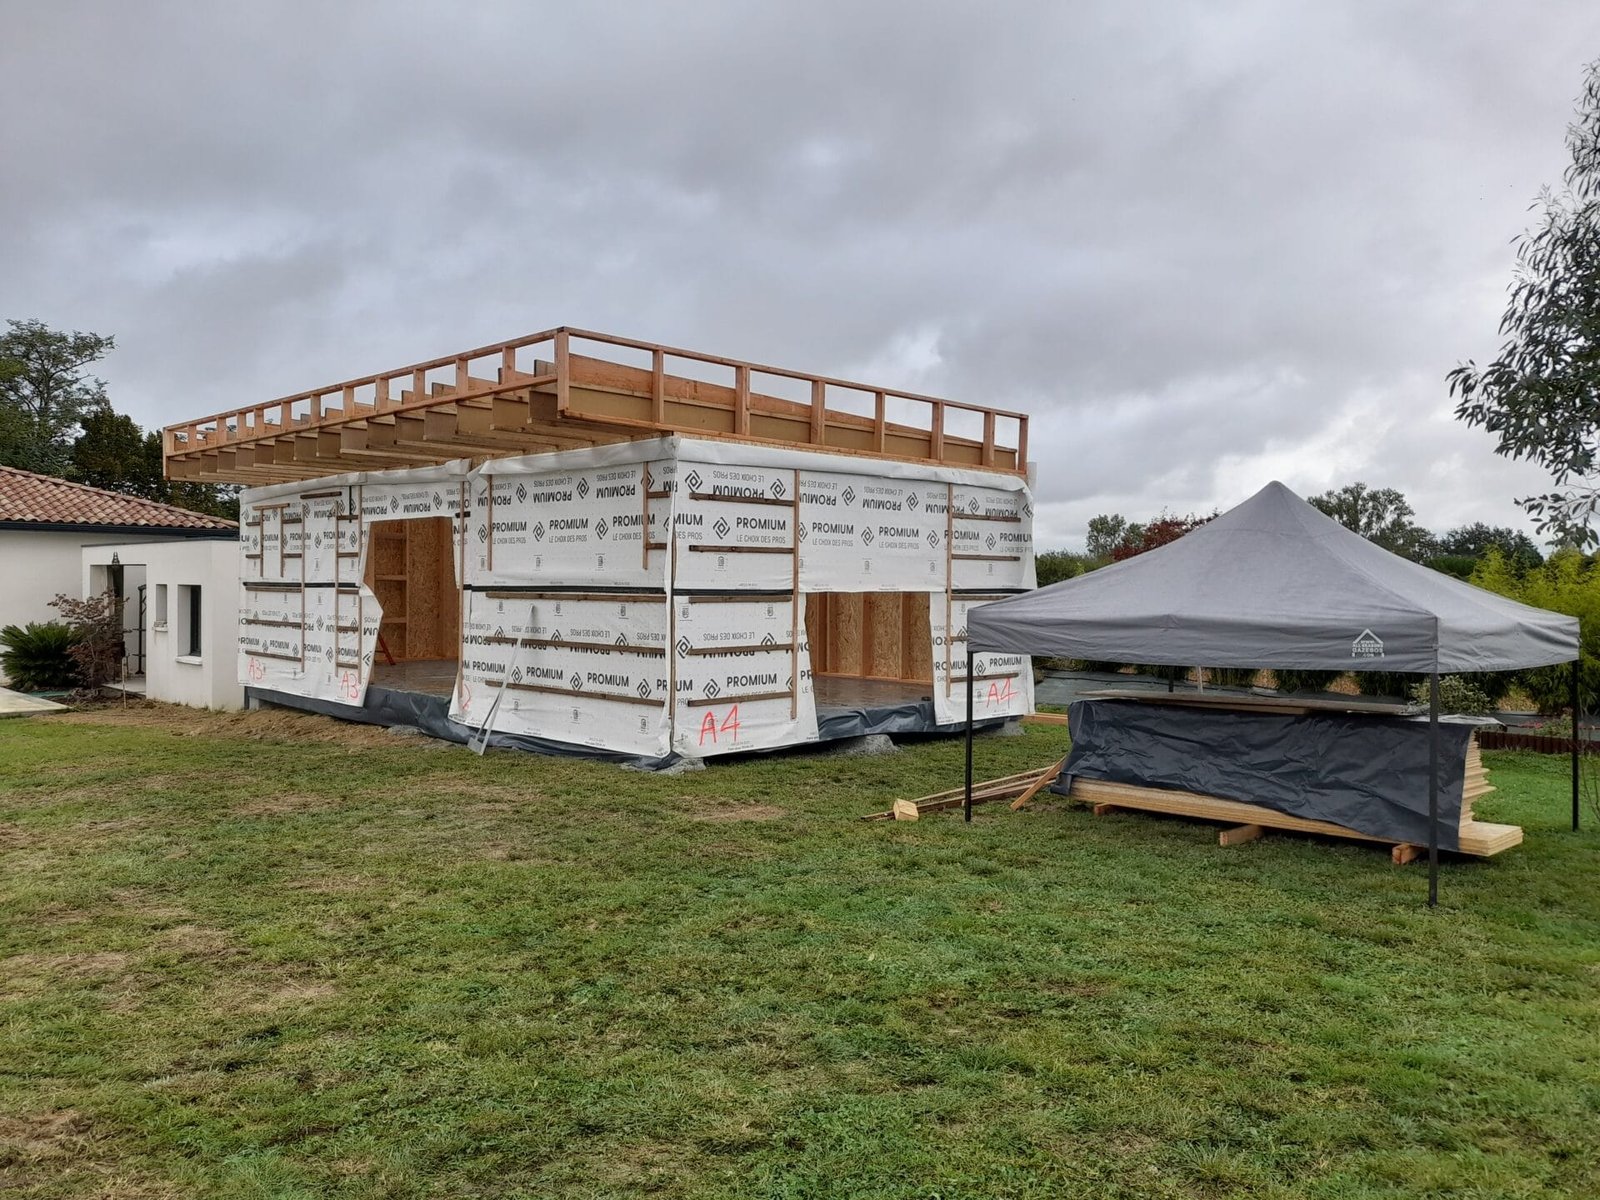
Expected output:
(188, 640)
(160, 621)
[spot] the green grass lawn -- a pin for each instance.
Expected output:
(237, 961)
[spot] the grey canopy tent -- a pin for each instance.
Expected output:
(1274, 583)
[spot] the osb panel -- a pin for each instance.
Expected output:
(881, 639)
(882, 635)
(916, 638)
(386, 569)
(432, 607)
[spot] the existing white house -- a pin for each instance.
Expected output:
(188, 623)
(47, 525)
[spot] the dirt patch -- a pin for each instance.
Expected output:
(63, 1150)
(193, 941)
(35, 1139)
(277, 996)
(718, 811)
(147, 904)
(337, 885)
(282, 806)
(13, 837)
(102, 964)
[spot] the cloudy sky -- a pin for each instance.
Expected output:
(1205, 245)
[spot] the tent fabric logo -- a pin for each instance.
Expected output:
(693, 480)
(583, 487)
(1368, 645)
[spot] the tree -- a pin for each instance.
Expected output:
(1541, 396)
(1141, 539)
(113, 453)
(1473, 542)
(1381, 515)
(1105, 534)
(1053, 566)
(44, 393)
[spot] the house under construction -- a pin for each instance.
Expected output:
(582, 542)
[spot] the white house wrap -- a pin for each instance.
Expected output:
(571, 603)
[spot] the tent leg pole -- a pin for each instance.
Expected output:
(966, 807)
(1575, 749)
(1433, 789)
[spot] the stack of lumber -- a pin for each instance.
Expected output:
(1022, 786)
(1479, 838)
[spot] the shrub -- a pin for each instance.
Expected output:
(1170, 674)
(38, 657)
(1053, 566)
(1101, 667)
(1239, 677)
(1457, 694)
(97, 647)
(1305, 681)
(1385, 683)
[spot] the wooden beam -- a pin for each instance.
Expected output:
(1239, 834)
(563, 373)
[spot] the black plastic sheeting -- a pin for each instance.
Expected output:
(1366, 773)
(431, 714)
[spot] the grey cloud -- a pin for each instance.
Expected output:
(1197, 242)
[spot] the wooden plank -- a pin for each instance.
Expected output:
(906, 810)
(1047, 776)
(1405, 852)
(1239, 835)
(1102, 809)
(1045, 718)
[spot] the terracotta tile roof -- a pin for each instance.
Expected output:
(32, 499)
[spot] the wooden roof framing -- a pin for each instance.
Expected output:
(571, 387)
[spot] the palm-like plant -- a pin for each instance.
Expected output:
(37, 657)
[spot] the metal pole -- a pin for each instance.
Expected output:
(966, 807)
(1433, 789)
(1575, 745)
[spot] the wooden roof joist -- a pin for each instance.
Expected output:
(570, 387)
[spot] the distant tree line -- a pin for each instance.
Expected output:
(1381, 515)
(56, 419)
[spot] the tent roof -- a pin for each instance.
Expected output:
(1275, 583)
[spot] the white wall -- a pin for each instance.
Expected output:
(204, 680)
(36, 565)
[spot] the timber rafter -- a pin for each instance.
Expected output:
(565, 388)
